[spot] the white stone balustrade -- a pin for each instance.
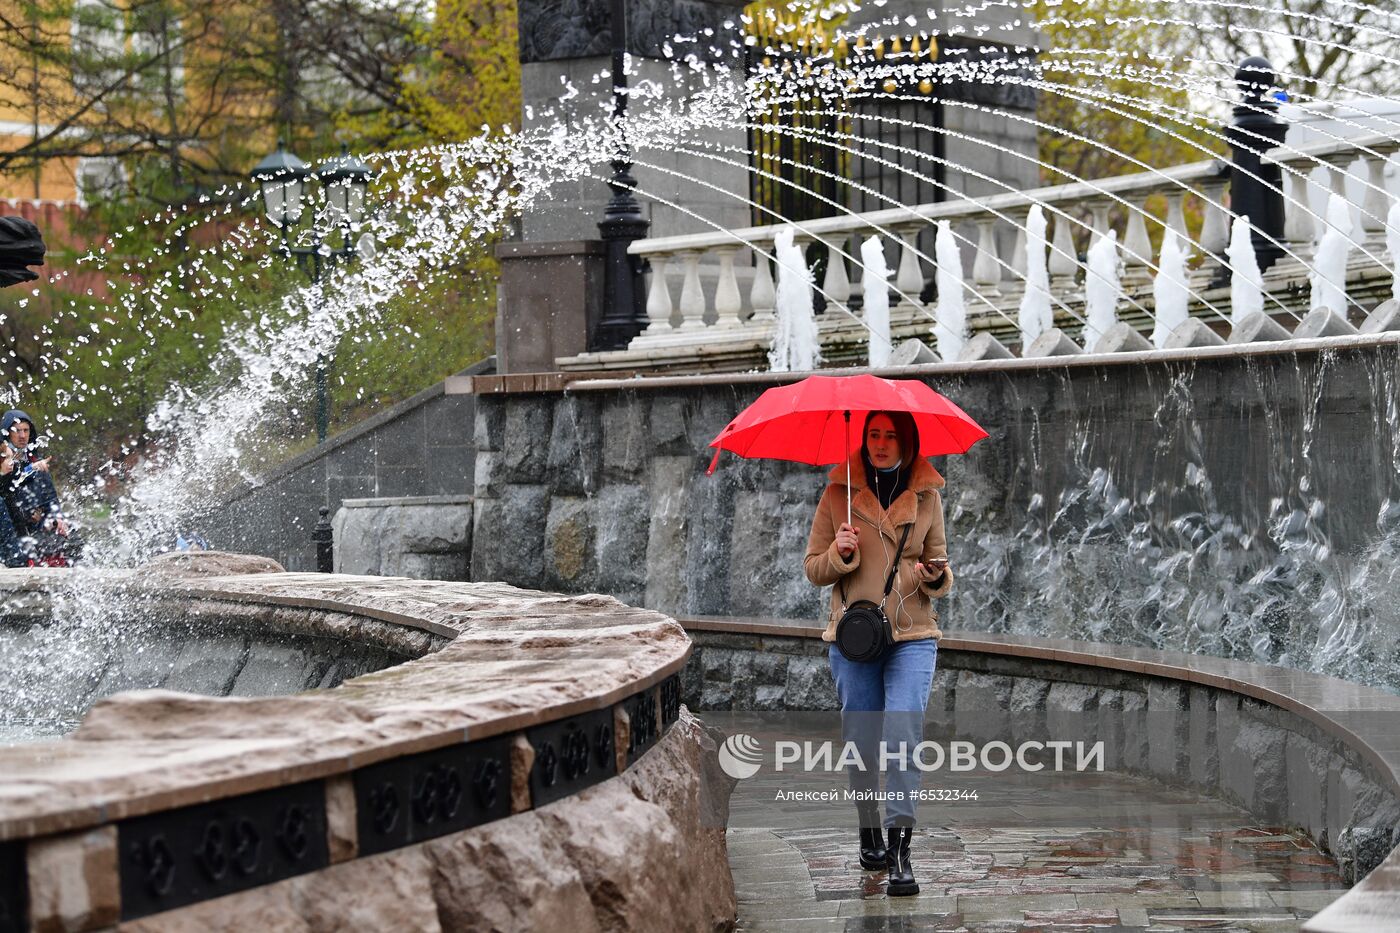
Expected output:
(735, 305)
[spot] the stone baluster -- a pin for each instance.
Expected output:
(1297, 219)
(763, 295)
(1376, 205)
(1319, 189)
(728, 304)
(803, 242)
(692, 294)
(1099, 211)
(986, 268)
(1137, 245)
(909, 278)
(1337, 180)
(1176, 217)
(1064, 258)
(835, 282)
(1017, 280)
(658, 298)
(1215, 226)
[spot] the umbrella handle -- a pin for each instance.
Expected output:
(848, 467)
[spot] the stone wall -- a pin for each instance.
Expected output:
(1222, 503)
(420, 447)
(1280, 766)
(422, 537)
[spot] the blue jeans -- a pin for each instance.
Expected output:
(886, 700)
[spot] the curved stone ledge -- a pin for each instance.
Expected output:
(1291, 747)
(466, 739)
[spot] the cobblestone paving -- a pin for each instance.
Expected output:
(1206, 868)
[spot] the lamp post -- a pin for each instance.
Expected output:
(624, 304)
(1256, 185)
(284, 181)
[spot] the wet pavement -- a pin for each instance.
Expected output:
(1165, 860)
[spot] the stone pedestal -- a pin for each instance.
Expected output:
(1324, 322)
(422, 537)
(549, 301)
(1193, 332)
(1122, 338)
(565, 45)
(912, 352)
(985, 347)
(1385, 317)
(1257, 326)
(1053, 342)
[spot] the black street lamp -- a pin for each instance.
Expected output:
(283, 180)
(624, 300)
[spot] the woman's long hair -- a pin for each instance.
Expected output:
(908, 434)
(904, 429)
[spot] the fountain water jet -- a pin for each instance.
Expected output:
(1170, 289)
(1246, 283)
(1036, 315)
(877, 299)
(1329, 277)
(796, 344)
(1101, 289)
(951, 329)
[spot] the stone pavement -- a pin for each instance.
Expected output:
(1211, 869)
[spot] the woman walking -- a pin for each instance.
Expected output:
(891, 552)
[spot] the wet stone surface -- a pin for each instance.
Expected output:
(1198, 865)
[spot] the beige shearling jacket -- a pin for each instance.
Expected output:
(910, 603)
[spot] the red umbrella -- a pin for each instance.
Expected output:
(810, 421)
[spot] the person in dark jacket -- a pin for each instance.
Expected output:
(12, 550)
(34, 509)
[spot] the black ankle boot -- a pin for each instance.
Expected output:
(872, 838)
(901, 870)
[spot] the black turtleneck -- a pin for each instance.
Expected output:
(885, 484)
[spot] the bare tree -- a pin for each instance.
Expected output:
(1322, 48)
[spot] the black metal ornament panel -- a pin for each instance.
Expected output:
(571, 754)
(431, 794)
(14, 888)
(180, 857)
(670, 701)
(645, 726)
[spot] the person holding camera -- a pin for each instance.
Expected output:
(885, 558)
(29, 493)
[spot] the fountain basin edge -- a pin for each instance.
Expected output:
(164, 806)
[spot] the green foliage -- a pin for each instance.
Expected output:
(186, 114)
(1117, 88)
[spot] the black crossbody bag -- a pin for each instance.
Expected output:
(864, 632)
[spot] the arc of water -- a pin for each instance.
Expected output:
(1285, 149)
(1004, 216)
(1036, 315)
(840, 209)
(1158, 109)
(1287, 250)
(1135, 102)
(1101, 289)
(876, 285)
(951, 327)
(1170, 290)
(820, 135)
(837, 251)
